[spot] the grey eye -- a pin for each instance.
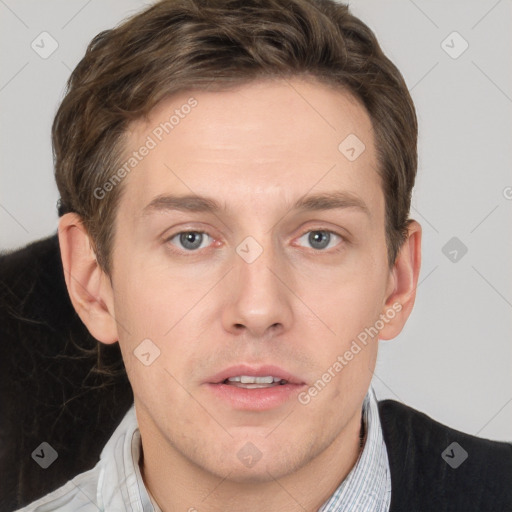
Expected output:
(190, 240)
(321, 239)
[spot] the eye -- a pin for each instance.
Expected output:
(191, 240)
(321, 239)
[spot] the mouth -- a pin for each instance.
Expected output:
(252, 388)
(248, 382)
(254, 377)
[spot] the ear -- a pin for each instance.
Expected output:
(88, 286)
(403, 280)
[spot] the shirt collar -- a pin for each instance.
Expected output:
(120, 482)
(366, 488)
(368, 485)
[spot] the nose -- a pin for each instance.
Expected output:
(259, 301)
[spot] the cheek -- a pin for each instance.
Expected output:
(166, 308)
(348, 301)
(148, 296)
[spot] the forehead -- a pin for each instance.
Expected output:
(265, 143)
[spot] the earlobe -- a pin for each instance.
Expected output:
(88, 286)
(403, 283)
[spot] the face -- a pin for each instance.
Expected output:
(250, 243)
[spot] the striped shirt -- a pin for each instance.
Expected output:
(115, 483)
(367, 488)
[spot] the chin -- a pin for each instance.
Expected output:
(250, 465)
(259, 474)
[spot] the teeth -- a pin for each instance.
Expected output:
(253, 386)
(246, 379)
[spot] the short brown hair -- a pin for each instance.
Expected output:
(179, 45)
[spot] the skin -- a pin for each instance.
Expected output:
(256, 149)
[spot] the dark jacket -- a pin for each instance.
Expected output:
(431, 473)
(49, 391)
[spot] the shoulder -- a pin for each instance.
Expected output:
(434, 467)
(77, 494)
(110, 482)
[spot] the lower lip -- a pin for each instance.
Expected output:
(258, 399)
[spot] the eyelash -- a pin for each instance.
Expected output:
(335, 249)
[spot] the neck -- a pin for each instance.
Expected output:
(176, 483)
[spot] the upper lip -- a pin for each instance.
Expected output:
(254, 371)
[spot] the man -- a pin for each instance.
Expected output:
(235, 180)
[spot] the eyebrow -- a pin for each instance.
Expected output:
(312, 202)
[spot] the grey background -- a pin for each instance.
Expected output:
(454, 358)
